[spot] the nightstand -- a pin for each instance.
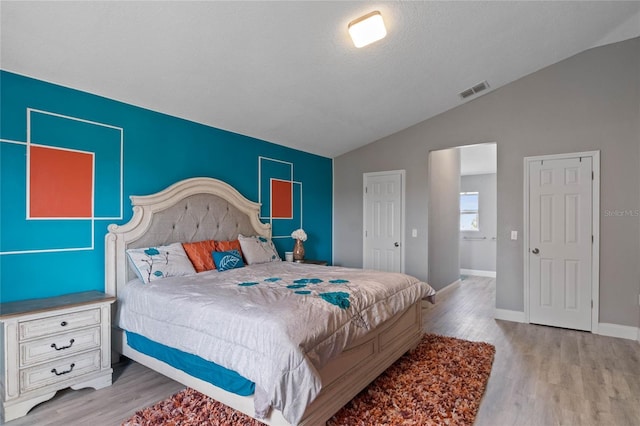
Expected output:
(51, 344)
(313, 262)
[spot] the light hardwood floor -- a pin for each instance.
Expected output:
(542, 376)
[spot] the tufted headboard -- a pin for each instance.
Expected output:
(194, 209)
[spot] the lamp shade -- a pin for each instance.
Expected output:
(367, 29)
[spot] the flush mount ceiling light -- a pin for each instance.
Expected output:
(367, 29)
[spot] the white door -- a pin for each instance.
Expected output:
(560, 242)
(383, 217)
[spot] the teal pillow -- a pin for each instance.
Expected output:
(226, 260)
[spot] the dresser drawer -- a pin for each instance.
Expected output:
(59, 371)
(58, 346)
(50, 344)
(58, 324)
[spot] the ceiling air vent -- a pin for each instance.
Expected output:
(474, 90)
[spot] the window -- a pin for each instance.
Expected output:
(469, 211)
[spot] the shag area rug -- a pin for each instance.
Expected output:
(440, 382)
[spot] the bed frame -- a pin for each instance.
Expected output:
(204, 208)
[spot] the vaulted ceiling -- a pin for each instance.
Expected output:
(287, 72)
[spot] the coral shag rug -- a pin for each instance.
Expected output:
(440, 382)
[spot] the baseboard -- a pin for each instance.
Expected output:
(604, 329)
(478, 273)
(507, 315)
(620, 331)
(447, 287)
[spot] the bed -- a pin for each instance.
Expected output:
(311, 365)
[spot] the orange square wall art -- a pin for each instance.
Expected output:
(60, 183)
(281, 199)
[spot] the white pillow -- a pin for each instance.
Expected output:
(154, 263)
(258, 250)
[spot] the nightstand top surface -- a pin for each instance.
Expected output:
(11, 309)
(312, 262)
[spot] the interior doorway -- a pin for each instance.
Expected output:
(478, 210)
(462, 213)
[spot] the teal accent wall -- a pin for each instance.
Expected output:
(136, 152)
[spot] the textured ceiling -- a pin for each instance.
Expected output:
(286, 72)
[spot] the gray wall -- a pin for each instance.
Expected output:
(587, 102)
(444, 217)
(480, 255)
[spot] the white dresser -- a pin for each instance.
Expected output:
(52, 344)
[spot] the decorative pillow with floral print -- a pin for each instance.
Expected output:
(258, 250)
(155, 263)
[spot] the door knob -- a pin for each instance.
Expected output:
(396, 244)
(535, 251)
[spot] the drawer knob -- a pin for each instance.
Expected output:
(63, 323)
(54, 346)
(54, 371)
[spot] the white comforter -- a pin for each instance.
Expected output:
(276, 324)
